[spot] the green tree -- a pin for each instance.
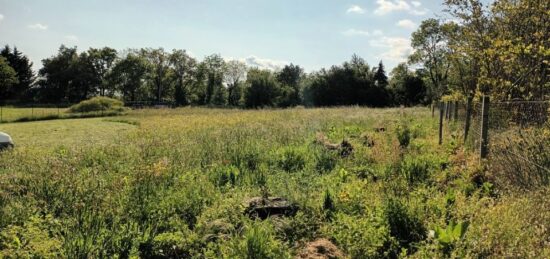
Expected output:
(380, 77)
(57, 76)
(290, 78)
(159, 73)
(214, 66)
(25, 75)
(128, 76)
(8, 76)
(432, 51)
(262, 88)
(184, 67)
(101, 61)
(235, 74)
(407, 87)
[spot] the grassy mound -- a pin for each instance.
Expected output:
(98, 104)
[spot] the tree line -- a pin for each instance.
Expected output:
(159, 76)
(501, 49)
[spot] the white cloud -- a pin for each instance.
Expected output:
(1, 17)
(356, 9)
(406, 23)
(388, 6)
(355, 32)
(261, 63)
(416, 3)
(38, 26)
(377, 32)
(71, 38)
(398, 48)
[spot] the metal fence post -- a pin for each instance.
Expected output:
(441, 123)
(484, 147)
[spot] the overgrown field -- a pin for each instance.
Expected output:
(177, 184)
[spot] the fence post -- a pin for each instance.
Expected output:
(1, 112)
(441, 123)
(433, 109)
(456, 111)
(468, 117)
(484, 147)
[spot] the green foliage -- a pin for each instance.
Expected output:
(328, 203)
(449, 236)
(225, 175)
(8, 76)
(415, 170)
(291, 159)
(98, 104)
(361, 236)
(404, 225)
(403, 135)
(258, 242)
(325, 161)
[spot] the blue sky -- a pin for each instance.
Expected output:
(310, 33)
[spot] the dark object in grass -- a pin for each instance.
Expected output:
(345, 148)
(262, 208)
(321, 249)
(380, 129)
(367, 140)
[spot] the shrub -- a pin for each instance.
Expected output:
(259, 242)
(225, 175)
(98, 104)
(362, 236)
(404, 225)
(415, 170)
(174, 245)
(291, 159)
(325, 161)
(403, 135)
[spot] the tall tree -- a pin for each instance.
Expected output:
(289, 78)
(25, 75)
(262, 88)
(159, 60)
(101, 61)
(214, 66)
(380, 77)
(183, 66)
(235, 73)
(431, 50)
(128, 75)
(57, 75)
(8, 76)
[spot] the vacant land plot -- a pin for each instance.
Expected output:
(208, 183)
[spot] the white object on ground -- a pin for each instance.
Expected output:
(5, 140)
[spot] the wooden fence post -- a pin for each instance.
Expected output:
(484, 147)
(456, 111)
(468, 118)
(433, 109)
(441, 105)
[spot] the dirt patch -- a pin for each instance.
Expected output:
(321, 249)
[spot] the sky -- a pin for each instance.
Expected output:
(265, 33)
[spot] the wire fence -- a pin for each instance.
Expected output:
(516, 134)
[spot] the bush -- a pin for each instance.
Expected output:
(362, 236)
(291, 159)
(415, 170)
(404, 225)
(258, 242)
(98, 104)
(326, 161)
(403, 136)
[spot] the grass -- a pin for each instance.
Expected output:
(10, 114)
(173, 182)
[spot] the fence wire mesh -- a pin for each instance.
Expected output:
(518, 137)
